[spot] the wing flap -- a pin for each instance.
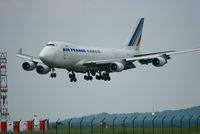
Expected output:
(100, 62)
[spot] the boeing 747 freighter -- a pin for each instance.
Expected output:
(93, 61)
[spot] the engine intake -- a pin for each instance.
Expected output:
(43, 69)
(116, 67)
(159, 61)
(29, 66)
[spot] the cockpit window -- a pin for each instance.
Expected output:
(50, 45)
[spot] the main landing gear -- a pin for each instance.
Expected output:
(53, 74)
(72, 77)
(104, 77)
(101, 76)
(88, 77)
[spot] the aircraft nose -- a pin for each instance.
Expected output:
(45, 56)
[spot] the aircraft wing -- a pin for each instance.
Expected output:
(150, 56)
(142, 58)
(28, 57)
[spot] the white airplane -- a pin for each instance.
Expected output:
(94, 61)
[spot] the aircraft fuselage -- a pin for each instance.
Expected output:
(72, 57)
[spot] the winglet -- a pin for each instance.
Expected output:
(20, 51)
(28, 57)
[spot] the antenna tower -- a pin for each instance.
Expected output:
(3, 87)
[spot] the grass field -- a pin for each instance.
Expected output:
(117, 130)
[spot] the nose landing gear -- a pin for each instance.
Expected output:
(53, 74)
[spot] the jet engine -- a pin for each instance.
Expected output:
(29, 66)
(159, 61)
(116, 67)
(43, 69)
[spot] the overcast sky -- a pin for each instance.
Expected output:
(169, 25)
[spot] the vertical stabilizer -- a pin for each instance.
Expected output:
(135, 40)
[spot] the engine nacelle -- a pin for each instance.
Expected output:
(29, 66)
(159, 61)
(116, 67)
(43, 69)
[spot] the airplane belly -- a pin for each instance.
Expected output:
(63, 61)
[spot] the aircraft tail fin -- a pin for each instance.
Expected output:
(135, 40)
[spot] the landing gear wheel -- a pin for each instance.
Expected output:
(85, 77)
(53, 75)
(72, 77)
(104, 77)
(88, 77)
(109, 78)
(97, 77)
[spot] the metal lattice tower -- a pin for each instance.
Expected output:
(3, 87)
